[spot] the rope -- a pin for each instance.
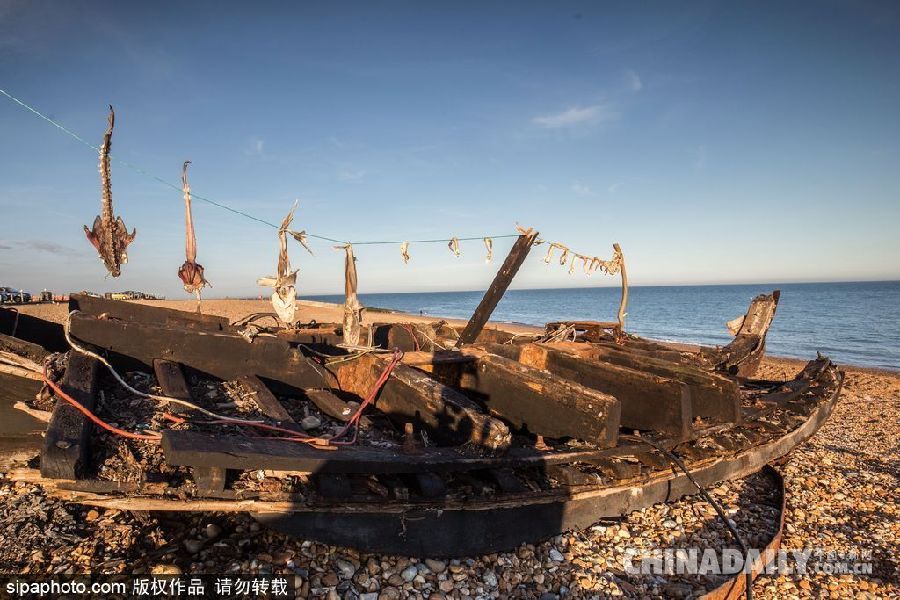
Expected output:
(210, 201)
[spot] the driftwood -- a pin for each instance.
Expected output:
(109, 235)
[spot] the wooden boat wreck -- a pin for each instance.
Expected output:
(430, 440)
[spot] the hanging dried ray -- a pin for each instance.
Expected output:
(489, 244)
(191, 272)
(454, 246)
(352, 307)
(109, 235)
(404, 252)
(284, 298)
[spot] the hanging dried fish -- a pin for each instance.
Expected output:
(284, 298)
(564, 256)
(489, 244)
(109, 235)
(301, 237)
(550, 250)
(454, 246)
(352, 307)
(572, 264)
(404, 252)
(190, 273)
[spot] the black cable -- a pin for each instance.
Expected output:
(714, 503)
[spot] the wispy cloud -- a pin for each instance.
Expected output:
(256, 148)
(615, 187)
(577, 116)
(581, 189)
(351, 175)
(38, 246)
(634, 81)
(700, 154)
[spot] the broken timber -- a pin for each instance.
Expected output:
(744, 354)
(648, 402)
(410, 395)
(66, 446)
(713, 396)
(504, 277)
(531, 400)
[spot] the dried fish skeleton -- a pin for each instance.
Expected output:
(109, 235)
(489, 244)
(404, 252)
(191, 273)
(352, 307)
(284, 298)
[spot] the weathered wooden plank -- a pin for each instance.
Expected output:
(21, 434)
(210, 480)
(224, 355)
(171, 381)
(504, 277)
(331, 405)
(648, 402)
(409, 395)
(265, 399)
(532, 400)
(66, 446)
(47, 334)
(190, 448)
(397, 335)
(713, 396)
(143, 313)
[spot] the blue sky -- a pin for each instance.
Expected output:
(717, 142)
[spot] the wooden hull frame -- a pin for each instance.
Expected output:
(440, 529)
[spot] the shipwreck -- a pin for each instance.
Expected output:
(418, 439)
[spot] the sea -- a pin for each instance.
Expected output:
(852, 323)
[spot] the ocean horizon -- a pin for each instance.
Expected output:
(854, 323)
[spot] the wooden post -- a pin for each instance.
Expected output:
(624, 302)
(498, 287)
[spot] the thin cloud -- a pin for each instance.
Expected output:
(634, 81)
(700, 155)
(348, 175)
(38, 246)
(581, 189)
(256, 148)
(577, 116)
(615, 187)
